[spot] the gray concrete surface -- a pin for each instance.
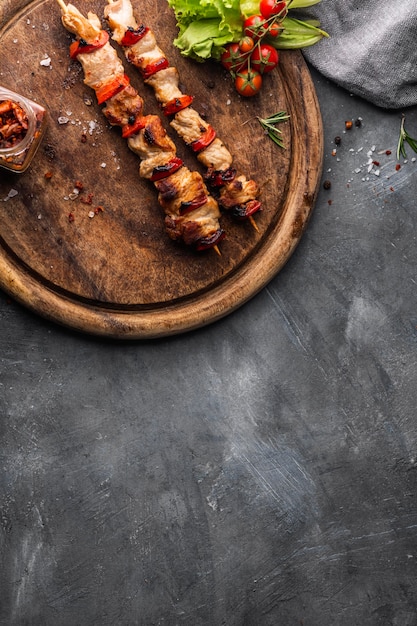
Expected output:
(257, 472)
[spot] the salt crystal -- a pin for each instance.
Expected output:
(12, 193)
(46, 62)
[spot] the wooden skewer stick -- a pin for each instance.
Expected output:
(216, 249)
(62, 5)
(253, 223)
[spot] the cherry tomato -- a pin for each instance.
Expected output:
(264, 58)
(246, 44)
(272, 7)
(255, 27)
(275, 29)
(231, 58)
(248, 82)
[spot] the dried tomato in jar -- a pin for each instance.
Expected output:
(22, 125)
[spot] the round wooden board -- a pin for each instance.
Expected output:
(118, 274)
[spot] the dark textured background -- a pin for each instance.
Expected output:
(259, 471)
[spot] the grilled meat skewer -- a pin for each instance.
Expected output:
(191, 213)
(235, 192)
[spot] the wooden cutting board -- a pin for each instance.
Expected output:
(118, 274)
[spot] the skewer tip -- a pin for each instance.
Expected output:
(253, 223)
(217, 251)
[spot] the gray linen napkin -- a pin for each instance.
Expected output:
(372, 49)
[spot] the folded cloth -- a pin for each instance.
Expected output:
(372, 48)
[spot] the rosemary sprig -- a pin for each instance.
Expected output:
(269, 126)
(403, 139)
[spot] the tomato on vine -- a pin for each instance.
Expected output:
(269, 8)
(246, 44)
(248, 82)
(275, 29)
(255, 26)
(264, 58)
(231, 58)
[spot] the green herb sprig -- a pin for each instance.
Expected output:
(269, 126)
(403, 139)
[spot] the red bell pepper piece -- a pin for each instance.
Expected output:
(187, 207)
(243, 211)
(163, 171)
(133, 35)
(133, 128)
(153, 68)
(83, 47)
(177, 104)
(219, 178)
(205, 140)
(209, 242)
(111, 88)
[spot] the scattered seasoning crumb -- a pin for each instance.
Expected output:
(398, 167)
(83, 137)
(327, 184)
(334, 152)
(78, 185)
(71, 217)
(48, 175)
(376, 163)
(62, 119)
(391, 188)
(98, 209)
(329, 202)
(49, 151)
(358, 122)
(46, 62)
(348, 124)
(103, 165)
(338, 140)
(91, 214)
(387, 152)
(87, 199)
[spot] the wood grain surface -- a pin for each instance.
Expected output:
(118, 274)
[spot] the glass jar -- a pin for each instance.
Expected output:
(18, 147)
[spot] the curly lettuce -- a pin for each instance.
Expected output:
(206, 26)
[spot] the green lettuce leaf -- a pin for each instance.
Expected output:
(206, 26)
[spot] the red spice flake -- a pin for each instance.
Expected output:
(329, 202)
(84, 138)
(398, 167)
(391, 188)
(387, 152)
(348, 124)
(87, 199)
(71, 217)
(48, 175)
(98, 209)
(376, 163)
(78, 185)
